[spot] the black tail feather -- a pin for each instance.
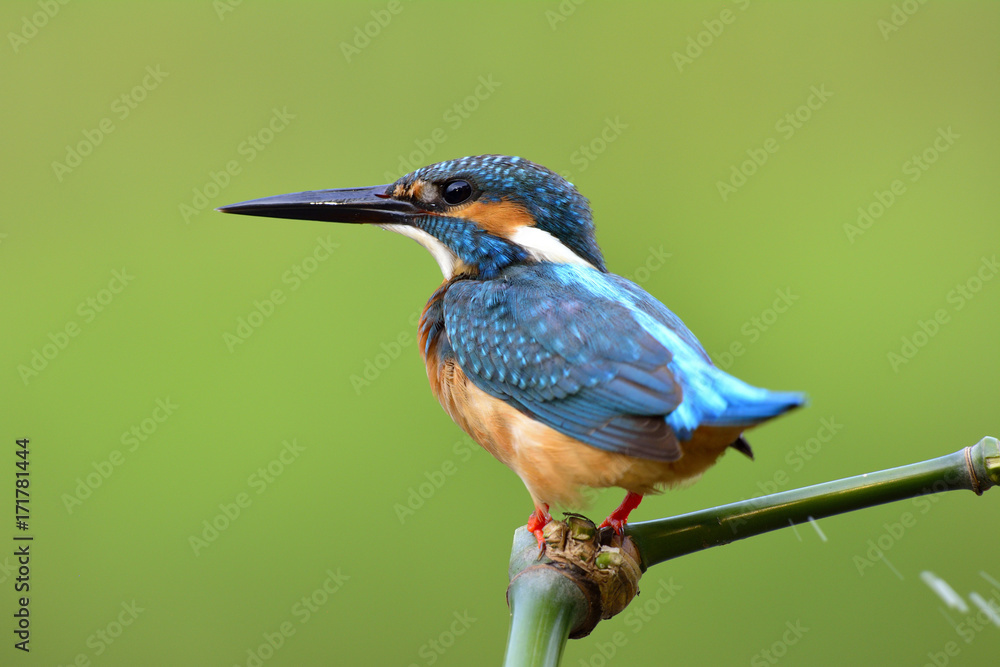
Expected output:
(743, 447)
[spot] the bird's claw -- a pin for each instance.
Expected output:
(536, 522)
(619, 517)
(541, 539)
(616, 524)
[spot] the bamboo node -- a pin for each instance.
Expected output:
(604, 565)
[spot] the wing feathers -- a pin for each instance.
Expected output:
(595, 357)
(574, 363)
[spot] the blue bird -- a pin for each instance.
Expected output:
(570, 375)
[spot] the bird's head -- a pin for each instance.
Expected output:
(476, 215)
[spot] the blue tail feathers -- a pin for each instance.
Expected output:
(725, 401)
(765, 406)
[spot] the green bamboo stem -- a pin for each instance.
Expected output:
(544, 607)
(975, 468)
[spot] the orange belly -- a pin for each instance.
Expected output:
(555, 466)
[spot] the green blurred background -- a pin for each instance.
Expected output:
(380, 535)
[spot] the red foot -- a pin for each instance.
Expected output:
(537, 521)
(619, 517)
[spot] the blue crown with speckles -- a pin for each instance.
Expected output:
(556, 206)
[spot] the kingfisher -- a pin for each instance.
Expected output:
(570, 375)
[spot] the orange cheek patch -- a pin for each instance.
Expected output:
(498, 218)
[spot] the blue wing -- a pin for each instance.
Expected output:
(595, 357)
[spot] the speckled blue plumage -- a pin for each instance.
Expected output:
(473, 245)
(556, 206)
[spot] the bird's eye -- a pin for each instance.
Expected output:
(457, 192)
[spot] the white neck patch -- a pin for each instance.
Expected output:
(544, 247)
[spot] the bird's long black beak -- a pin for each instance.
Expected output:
(357, 205)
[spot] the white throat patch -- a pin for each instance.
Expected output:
(446, 259)
(546, 248)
